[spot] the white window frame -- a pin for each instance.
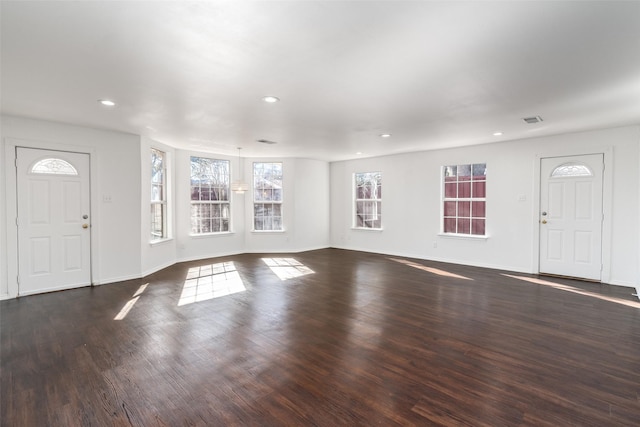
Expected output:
(373, 201)
(262, 201)
(162, 200)
(458, 199)
(222, 203)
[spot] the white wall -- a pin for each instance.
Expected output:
(115, 164)
(305, 209)
(318, 203)
(311, 221)
(412, 191)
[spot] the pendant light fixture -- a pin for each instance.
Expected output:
(239, 186)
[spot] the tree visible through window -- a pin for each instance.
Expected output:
(267, 196)
(464, 203)
(368, 200)
(210, 206)
(158, 195)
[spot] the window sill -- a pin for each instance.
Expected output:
(463, 236)
(269, 231)
(205, 235)
(160, 241)
(367, 229)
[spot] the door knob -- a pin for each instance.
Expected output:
(544, 221)
(85, 225)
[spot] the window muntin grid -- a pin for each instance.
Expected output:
(464, 201)
(210, 204)
(368, 200)
(158, 195)
(267, 196)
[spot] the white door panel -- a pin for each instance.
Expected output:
(571, 216)
(54, 239)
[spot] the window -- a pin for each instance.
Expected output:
(464, 199)
(569, 170)
(368, 200)
(267, 196)
(54, 167)
(158, 195)
(210, 207)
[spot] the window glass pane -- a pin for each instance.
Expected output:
(464, 189)
(464, 226)
(479, 189)
(464, 209)
(449, 225)
(157, 221)
(478, 209)
(464, 173)
(54, 166)
(450, 173)
(268, 193)
(157, 166)
(477, 227)
(449, 208)
(277, 223)
(450, 190)
(479, 171)
(156, 193)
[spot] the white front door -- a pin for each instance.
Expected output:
(571, 216)
(54, 234)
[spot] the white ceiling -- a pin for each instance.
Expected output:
(433, 74)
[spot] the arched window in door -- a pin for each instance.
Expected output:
(569, 170)
(53, 167)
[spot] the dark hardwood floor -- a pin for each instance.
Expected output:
(333, 338)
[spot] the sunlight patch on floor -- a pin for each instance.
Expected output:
(574, 290)
(432, 270)
(287, 268)
(211, 281)
(129, 305)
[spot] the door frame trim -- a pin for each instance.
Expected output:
(607, 204)
(11, 145)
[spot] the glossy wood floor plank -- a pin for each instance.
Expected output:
(323, 338)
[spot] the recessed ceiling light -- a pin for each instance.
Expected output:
(497, 133)
(107, 102)
(385, 135)
(358, 153)
(270, 99)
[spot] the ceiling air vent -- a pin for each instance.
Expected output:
(266, 141)
(532, 120)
